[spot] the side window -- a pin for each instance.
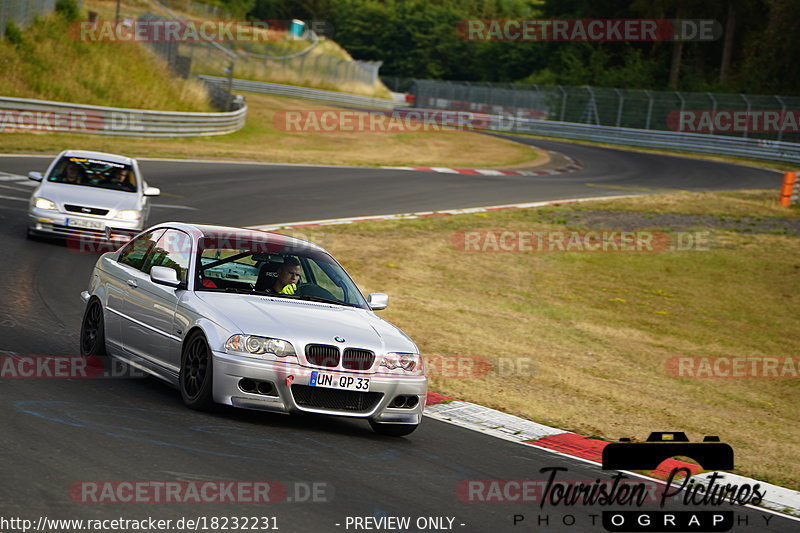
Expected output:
(136, 251)
(173, 250)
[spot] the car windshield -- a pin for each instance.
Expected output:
(94, 173)
(270, 265)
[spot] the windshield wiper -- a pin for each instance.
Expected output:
(323, 300)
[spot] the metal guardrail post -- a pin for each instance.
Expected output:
(713, 112)
(649, 110)
(747, 123)
(783, 112)
(230, 68)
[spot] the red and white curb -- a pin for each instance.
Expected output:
(778, 500)
(513, 428)
(573, 166)
(426, 214)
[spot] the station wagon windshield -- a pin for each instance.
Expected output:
(89, 172)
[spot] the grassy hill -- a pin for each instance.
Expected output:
(316, 69)
(46, 61)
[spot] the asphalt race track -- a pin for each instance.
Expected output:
(56, 433)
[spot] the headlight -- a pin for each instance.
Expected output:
(253, 345)
(44, 203)
(408, 363)
(129, 214)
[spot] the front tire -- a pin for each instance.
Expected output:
(393, 430)
(93, 333)
(196, 376)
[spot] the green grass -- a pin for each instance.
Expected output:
(260, 140)
(50, 63)
(727, 205)
(601, 327)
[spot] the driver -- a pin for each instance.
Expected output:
(120, 179)
(74, 174)
(288, 276)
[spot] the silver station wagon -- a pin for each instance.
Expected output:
(90, 194)
(254, 320)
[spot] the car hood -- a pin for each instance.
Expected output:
(303, 322)
(61, 194)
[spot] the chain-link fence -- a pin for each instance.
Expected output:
(740, 115)
(198, 9)
(271, 54)
(183, 58)
(22, 12)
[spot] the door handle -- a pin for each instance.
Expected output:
(131, 283)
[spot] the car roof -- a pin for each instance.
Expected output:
(113, 158)
(228, 232)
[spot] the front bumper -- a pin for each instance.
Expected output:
(230, 370)
(54, 223)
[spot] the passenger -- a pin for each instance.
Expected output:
(288, 276)
(74, 174)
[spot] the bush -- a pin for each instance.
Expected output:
(69, 9)
(13, 33)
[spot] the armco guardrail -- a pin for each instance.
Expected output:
(781, 151)
(684, 142)
(302, 92)
(21, 114)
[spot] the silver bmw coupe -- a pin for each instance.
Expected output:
(255, 320)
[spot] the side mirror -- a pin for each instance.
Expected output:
(164, 276)
(378, 300)
(35, 176)
(152, 191)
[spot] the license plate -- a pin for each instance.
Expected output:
(88, 224)
(337, 381)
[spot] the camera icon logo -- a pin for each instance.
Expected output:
(711, 454)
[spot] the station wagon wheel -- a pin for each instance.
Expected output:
(93, 338)
(196, 375)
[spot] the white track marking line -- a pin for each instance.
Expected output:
(174, 206)
(403, 216)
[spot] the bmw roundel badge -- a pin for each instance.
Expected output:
(338, 339)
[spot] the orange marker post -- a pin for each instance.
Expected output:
(788, 188)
